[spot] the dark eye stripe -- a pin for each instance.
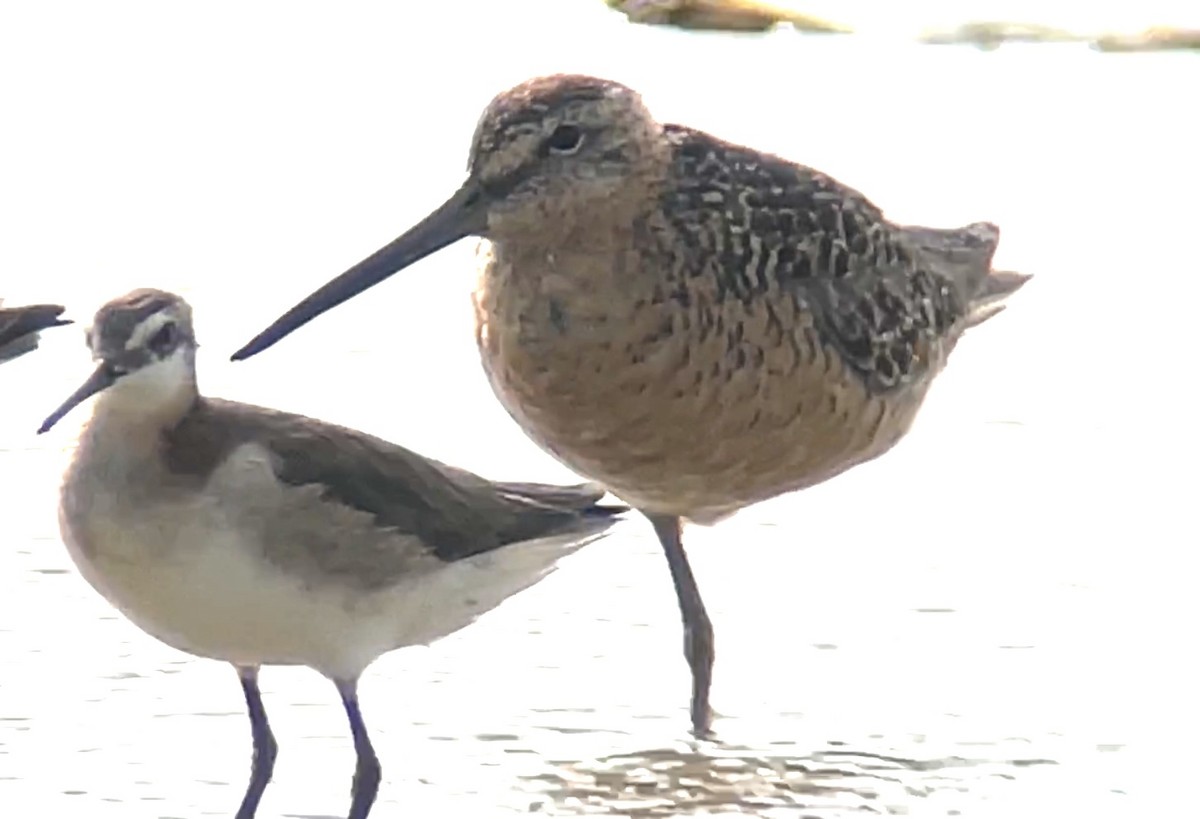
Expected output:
(165, 337)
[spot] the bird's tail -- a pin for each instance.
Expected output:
(965, 254)
(997, 286)
(544, 509)
(19, 327)
(554, 522)
(583, 498)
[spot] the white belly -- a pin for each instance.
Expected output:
(203, 588)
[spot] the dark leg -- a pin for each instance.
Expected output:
(367, 772)
(697, 628)
(264, 743)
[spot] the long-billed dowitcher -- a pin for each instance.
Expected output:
(263, 538)
(19, 327)
(696, 325)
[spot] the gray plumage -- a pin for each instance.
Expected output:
(440, 510)
(260, 537)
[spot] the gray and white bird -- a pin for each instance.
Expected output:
(19, 327)
(258, 537)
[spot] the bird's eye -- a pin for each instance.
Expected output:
(565, 139)
(165, 338)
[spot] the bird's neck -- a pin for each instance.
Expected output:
(137, 420)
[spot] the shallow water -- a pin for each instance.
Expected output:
(994, 620)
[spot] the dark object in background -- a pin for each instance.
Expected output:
(19, 327)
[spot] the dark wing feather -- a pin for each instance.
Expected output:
(19, 327)
(455, 511)
(884, 296)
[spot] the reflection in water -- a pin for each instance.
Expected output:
(694, 780)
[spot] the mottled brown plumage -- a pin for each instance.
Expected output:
(19, 327)
(697, 325)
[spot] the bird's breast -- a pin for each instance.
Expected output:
(161, 558)
(171, 559)
(678, 403)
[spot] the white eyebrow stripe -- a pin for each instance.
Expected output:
(146, 329)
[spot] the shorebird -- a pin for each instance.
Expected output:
(259, 537)
(19, 327)
(696, 325)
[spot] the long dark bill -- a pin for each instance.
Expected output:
(103, 378)
(462, 215)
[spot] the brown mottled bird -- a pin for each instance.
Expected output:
(19, 327)
(696, 325)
